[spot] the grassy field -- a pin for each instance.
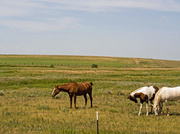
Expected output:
(26, 84)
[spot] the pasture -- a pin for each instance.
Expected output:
(26, 105)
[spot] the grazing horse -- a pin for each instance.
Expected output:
(145, 94)
(165, 94)
(74, 89)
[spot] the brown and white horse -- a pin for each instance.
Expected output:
(165, 94)
(74, 89)
(145, 94)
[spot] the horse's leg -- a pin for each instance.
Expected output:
(70, 96)
(146, 108)
(140, 108)
(160, 107)
(167, 107)
(151, 106)
(74, 101)
(90, 95)
(91, 100)
(85, 99)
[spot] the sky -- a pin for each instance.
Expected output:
(115, 28)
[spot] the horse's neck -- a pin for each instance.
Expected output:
(157, 98)
(64, 89)
(134, 92)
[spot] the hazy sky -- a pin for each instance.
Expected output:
(118, 28)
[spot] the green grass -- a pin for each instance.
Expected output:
(27, 106)
(83, 61)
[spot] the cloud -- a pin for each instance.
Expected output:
(18, 8)
(47, 24)
(43, 15)
(29, 7)
(33, 16)
(110, 5)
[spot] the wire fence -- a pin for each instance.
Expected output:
(42, 119)
(33, 64)
(73, 125)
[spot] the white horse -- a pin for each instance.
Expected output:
(165, 94)
(145, 94)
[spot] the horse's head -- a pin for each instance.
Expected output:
(55, 91)
(155, 108)
(132, 99)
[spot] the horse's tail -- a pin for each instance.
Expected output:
(91, 83)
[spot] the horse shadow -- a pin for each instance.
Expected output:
(84, 107)
(171, 114)
(174, 114)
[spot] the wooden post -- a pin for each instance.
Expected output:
(97, 122)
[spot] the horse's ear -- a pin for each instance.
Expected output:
(91, 83)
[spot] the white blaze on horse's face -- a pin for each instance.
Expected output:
(53, 92)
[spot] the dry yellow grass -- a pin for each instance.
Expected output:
(27, 106)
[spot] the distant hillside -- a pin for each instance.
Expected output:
(85, 61)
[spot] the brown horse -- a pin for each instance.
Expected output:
(74, 89)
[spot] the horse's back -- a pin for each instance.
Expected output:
(83, 88)
(139, 90)
(170, 94)
(70, 85)
(85, 85)
(149, 91)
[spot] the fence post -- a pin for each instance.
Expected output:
(97, 122)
